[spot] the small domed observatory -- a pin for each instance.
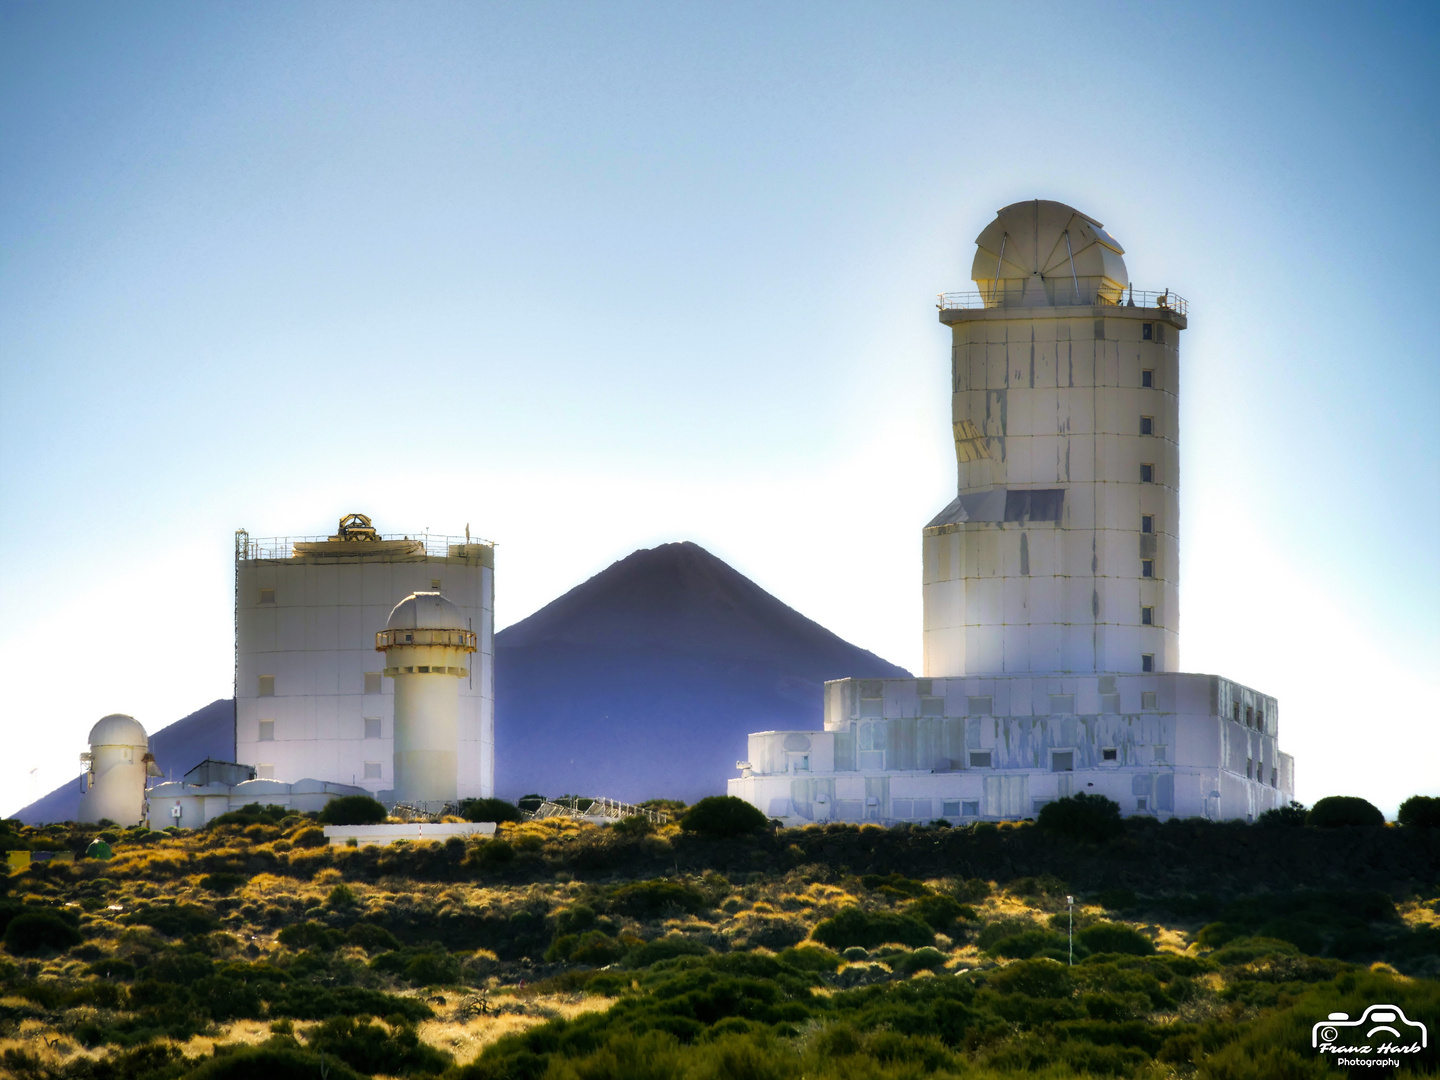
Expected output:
(119, 763)
(426, 646)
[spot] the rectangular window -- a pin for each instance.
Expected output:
(1147, 425)
(372, 727)
(1147, 661)
(267, 686)
(950, 809)
(372, 770)
(372, 682)
(980, 706)
(1259, 718)
(1062, 704)
(1249, 768)
(979, 759)
(970, 807)
(1159, 753)
(1110, 753)
(1147, 377)
(264, 772)
(435, 584)
(1237, 712)
(1147, 331)
(1062, 761)
(1147, 523)
(267, 596)
(1147, 568)
(1147, 616)
(1274, 777)
(1249, 716)
(1147, 473)
(1142, 803)
(267, 731)
(1147, 699)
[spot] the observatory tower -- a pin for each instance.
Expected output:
(119, 763)
(1050, 581)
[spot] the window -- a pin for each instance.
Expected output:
(979, 706)
(1142, 803)
(1237, 712)
(1158, 753)
(1062, 704)
(264, 772)
(1110, 753)
(1147, 523)
(1147, 567)
(970, 807)
(435, 584)
(1274, 777)
(1259, 718)
(1249, 716)
(1147, 661)
(1062, 761)
(372, 727)
(372, 770)
(979, 759)
(1249, 768)
(1147, 616)
(950, 809)
(372, 682)
(1147, 699)
(1147, 473)
(267, 731)
(267, 686)
(267, 596)
(1147, 331)
(1147, 377)
(1147, 425)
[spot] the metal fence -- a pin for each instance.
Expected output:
(283, 547)
(1138, 298)
(587, 809)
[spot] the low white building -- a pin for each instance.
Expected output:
(192, 806)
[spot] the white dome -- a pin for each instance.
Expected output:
(1045, 251)
(117, 729)
(425, 611)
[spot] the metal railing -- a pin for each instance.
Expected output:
(995, 298)
(587, 809)
(283, 547)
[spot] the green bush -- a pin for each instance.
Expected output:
(593, 947)
(223, 883)
(1420, 811)
(371, 1048)
(941, 913)
(250, 814)
(635, 825)
(1107, 937)
(655, 898)
(1336, 811)
(666, 948)
(1292, 815)
(342, 896)
(310, 838)
(279, 1058)
(1036, 943)
(1091, 818)
(853, 927)
(371, 938)
(353, 810)
(309, 935)
(40, 932)
(723, 816)
(496, 810)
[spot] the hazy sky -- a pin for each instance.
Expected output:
(591, 277)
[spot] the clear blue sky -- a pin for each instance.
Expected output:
(590, 277)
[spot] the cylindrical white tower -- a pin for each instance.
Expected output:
(119, 761)
(426, 647)
(1060, 553)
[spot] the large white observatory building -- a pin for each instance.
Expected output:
(1051, 632)
(314, 697)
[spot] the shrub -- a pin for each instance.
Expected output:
(372, 1048)
(353, 810)
(39, 932)
(497, 810)
(493, 852)
(722, 816)
(654, 898)
(1420, 811)
(926, 959)
(250, 814)
(635, 825)
(1335, 811)
(222, 883)
(1036, 943)
(279, 1058)
(1082, 817)
(176, 920)
(853, 927)
(1292, 815)
(940, 913)
(309, 935)
(310, 838)
(371, 938)
(342, 896)
(666, 948)
(1107, 937)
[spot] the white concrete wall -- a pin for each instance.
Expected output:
(1055, 399)
(317, 639)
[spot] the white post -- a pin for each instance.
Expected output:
(1070, 901)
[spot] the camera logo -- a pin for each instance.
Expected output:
(1379, 1030)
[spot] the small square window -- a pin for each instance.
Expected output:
(979, 706)
(1147, 425)
(1142, 803)
(372, 770)
(372, 727)
(1110, 753)
(1147, 473)
(267, 596)
(435, 584)
(372, 682)
(267, 731)
(1148, 699)
(979, 759)
(970, 807)
(266, 686)
(1147, 616)
(1158, 753)
(1062, 761)
(1147, 523)
(1147, 377)
(264, 772)
(950, 809)
(1062, 704)
(1147, 568)
(1147, 661)
(1147, 331)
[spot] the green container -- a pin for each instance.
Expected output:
(99, 849)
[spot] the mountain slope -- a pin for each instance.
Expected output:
(646, 679)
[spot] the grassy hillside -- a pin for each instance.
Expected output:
(563, 950)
